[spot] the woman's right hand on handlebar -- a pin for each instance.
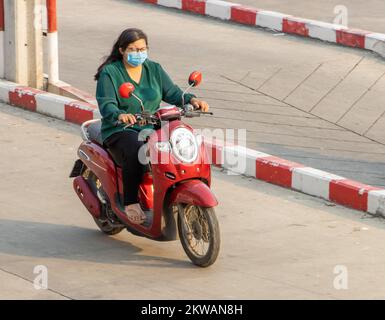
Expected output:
(127, 118)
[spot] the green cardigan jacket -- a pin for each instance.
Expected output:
(154, 86)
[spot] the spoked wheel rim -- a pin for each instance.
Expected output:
(196, 230)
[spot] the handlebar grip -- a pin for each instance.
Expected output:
(137, 116)
(192, 114)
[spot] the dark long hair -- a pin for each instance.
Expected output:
(127, 37)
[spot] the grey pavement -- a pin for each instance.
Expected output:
(367, 15)
(276, 243)
(307, 101)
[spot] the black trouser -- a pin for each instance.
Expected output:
(124, 147)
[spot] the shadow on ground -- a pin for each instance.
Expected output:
(47, 240)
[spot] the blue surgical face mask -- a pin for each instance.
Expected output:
(137, 58)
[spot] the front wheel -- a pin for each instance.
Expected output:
(199, 234)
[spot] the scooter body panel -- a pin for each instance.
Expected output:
(193, 192)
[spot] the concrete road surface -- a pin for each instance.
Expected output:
(276, 243)
(310, 102)
(367, 15)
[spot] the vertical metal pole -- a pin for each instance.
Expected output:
(53, 50)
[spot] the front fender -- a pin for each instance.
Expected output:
(193, 192)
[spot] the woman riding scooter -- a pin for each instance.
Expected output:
(128, 62)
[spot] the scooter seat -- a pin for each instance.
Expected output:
(95, 135)
(94, 132)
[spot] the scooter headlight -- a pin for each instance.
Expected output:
(184, 145)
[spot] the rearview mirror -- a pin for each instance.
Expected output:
(126, 90)
(195, 78)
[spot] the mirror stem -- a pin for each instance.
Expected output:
(184, 92)
(141, 102)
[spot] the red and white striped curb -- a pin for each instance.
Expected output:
(47, 103)
(281, 22)
(259, 165)
(296, 176)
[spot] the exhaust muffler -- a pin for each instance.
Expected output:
(87, 197)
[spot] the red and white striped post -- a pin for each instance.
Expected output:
(2, 44)
(53, 50)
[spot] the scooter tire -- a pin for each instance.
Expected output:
(106, 227)
(214, 242)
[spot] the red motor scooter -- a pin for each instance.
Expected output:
(175, 190)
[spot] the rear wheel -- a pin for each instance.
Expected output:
(106, 222)
(199, 234)
(107, 227)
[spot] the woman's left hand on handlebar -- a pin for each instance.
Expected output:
(200, 104)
